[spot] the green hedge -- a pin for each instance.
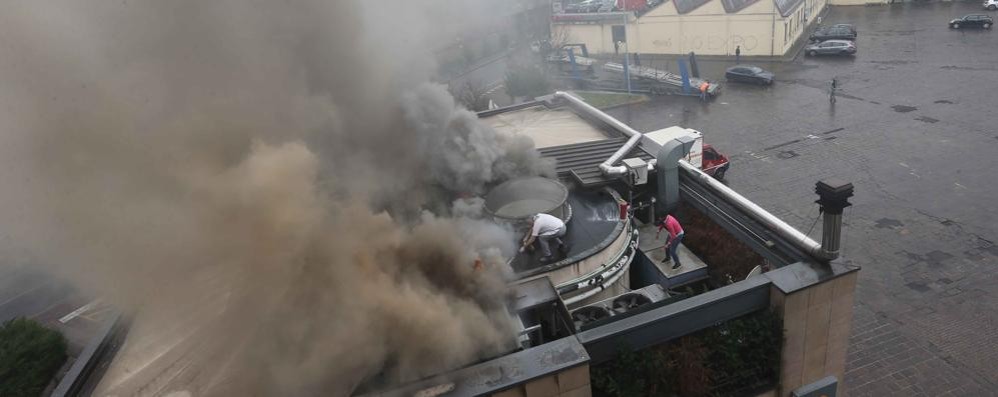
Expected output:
(526, 81)
(728, 259)
(30, 355)
(737, 357)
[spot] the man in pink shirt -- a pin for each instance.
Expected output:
(672, 241)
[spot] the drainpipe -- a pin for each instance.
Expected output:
(607, 166)
(772, 37)
(836, 192)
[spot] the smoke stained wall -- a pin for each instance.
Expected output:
(269, 186)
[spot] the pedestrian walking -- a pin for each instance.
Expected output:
(676, 233)
(738, 55)
(831, 92)
(703, 91)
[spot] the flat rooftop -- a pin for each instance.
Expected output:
(547, 127)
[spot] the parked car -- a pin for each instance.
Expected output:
(846, 26)
(834, 32)
(579, 7)
(584, 6)
(972, 21)
(749, 74)
(831, 47)
(991, 4)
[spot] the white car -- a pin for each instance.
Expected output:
(991, 4)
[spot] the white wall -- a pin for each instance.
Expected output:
(598, 38)
(855, 2)
(758, 29)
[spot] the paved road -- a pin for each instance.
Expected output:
(914, 130)
(26, 291)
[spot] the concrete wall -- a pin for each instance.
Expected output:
(573, 382)
(758, 29)
(706, 30)
(816, 321)
(569, 274)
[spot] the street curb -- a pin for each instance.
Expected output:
(85, 370)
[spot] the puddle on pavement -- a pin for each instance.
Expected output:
(894, 62)
(787, 154)
(920, 287)
(887, 223)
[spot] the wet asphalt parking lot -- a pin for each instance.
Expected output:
(915, 129)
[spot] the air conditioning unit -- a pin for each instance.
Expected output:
(637, 298)
(626, 302)
(618, 305)
(588, 314)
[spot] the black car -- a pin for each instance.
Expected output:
(834, 32)
(846, 26)
(972, 21)
(749, 74)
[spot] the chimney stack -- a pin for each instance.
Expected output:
(833, 197)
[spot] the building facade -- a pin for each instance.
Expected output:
(706, 27)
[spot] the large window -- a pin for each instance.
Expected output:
(619, 33)
(786, 7)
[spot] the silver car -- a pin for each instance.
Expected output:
(831, 47)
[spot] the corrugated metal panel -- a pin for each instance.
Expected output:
(582, 160)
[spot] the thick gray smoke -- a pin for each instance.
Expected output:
(272, 187)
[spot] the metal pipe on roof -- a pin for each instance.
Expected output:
(607, 166)
(792, 235)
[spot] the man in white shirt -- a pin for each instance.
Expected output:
(544, 229)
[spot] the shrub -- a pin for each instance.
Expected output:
(727, 258)
(30, 355)
(738, 357)
(526, 81)
(471, 94)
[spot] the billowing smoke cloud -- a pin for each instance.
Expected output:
(272, 187)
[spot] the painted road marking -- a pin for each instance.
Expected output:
(75, 313)
(492, 88)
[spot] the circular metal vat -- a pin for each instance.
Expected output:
(518, 199)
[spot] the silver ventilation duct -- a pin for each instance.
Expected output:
(608, 167)
(792, 235)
